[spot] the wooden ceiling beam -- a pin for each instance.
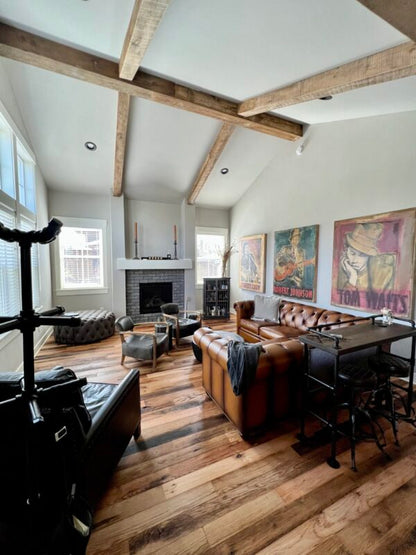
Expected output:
(388, 65)
(121, 136)
(401, 14)
(40, 52)
(222, 139)
(144, 21)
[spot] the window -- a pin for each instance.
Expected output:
(210, 243)
(81, 248)
(25, 178)
(17, 211)
(6, 159)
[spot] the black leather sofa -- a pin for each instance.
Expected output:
(116, 417)
(113, 417)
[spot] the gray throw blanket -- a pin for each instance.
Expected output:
(242, 364)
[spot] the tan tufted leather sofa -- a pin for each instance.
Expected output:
(275, 392)
(268, 398)
(295, 318)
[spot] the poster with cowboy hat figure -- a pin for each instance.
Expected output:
(373, 262)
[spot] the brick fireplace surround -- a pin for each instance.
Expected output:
(135, 277)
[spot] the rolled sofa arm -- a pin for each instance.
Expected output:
(112, 428)
(243, 309)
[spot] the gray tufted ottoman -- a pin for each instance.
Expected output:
(95, 325)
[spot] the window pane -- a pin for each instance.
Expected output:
(26, 182)
(81, 257)
(6, 161)
(208, 255)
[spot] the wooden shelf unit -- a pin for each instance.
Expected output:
(216, 298)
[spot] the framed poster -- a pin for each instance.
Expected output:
(373, 262)
(252, 263)
(295, 262)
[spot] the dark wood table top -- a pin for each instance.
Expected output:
(357, 337)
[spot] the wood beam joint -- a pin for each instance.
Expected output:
(40, 52)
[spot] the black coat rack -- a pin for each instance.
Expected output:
(30, 400)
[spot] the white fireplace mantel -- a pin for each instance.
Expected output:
(134, 264)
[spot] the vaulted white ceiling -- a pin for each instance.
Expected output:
(234, 49)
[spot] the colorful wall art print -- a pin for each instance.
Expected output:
(252, 262)
(373, 262)
(295, 262)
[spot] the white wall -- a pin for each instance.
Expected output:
(212, 217)
(352, 168)
(11, 354)
(155, 228)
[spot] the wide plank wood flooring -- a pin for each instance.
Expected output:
(191, 484)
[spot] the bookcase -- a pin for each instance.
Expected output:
(216, 298)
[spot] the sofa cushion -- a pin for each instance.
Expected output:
(266, 308)
(254, 326)
(279, 332)
(95, 395)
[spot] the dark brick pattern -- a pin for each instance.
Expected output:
(135, 277)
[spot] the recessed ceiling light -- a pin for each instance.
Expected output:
(224, 171)
(89, 145)
(328, 97)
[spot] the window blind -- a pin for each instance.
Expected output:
(27, 225)
(9, 269)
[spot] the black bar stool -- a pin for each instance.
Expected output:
(361, 383)
(388, 366)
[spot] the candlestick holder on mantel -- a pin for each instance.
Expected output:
(136, 251)
(175, 253)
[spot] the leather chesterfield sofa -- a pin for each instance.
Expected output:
(276, 389)
(295, 319)
(268, 399)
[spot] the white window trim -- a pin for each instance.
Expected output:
(85, 223)
(199, 230)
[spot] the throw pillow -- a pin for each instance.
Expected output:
(266, 308)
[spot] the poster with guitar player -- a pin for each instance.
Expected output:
(295, 262)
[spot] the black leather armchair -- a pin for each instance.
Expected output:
(141, 345)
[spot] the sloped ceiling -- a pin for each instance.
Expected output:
(234, 49)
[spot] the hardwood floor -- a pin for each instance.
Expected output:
(191, 484)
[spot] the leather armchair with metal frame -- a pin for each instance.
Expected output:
(184, 322)
(141, 345)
